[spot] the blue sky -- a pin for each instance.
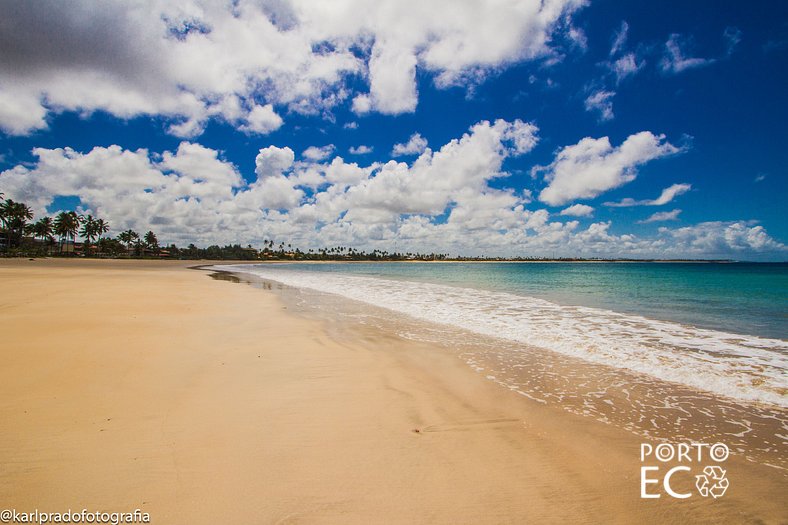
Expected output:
(601, 128)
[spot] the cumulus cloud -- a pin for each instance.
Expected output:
(392, 71)
(246, 61)
(600, 101)
(316, 154)
(362, 104)
(192, 194)
(415, 145)
(273, 161)
(593, 166)
(662, 216)
(722, 238)
(578, 210)
(262, 120)
(360, 150)
(444, 200)
(667, 195)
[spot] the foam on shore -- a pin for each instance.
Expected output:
(742, 367)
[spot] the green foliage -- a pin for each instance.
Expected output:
(14, 217)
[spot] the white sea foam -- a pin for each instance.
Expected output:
(742, 367)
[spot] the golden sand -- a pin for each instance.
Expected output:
(129, 384)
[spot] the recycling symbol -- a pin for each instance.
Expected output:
(712, 482)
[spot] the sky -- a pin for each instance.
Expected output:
(479, 127)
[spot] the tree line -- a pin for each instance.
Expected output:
(17, 230)
(21, 236)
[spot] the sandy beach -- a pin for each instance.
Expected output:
(149, 385)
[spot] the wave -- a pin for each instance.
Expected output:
(742, 367)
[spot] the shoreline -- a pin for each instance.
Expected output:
(388, 261)
(645, 405)
(205, 401)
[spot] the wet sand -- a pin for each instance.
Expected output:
(135, 384)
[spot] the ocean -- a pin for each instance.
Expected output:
(638, 344)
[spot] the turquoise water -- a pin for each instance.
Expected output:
(719, 328)
(745, 298)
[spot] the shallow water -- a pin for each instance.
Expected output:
(659, 378)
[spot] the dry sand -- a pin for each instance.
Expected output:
(128, 384)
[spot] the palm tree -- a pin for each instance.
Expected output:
(128, 237)
(14, 216)
(151, 241)
(3, 222)
(138, 248)
(101, 227)
(89, 232)
(43, 229)
(66, 226)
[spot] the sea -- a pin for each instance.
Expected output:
(667, 350)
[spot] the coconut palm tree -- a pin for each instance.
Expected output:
(43, 229)
(3, 219)
(151, 241)
(67, 226)
(14, 216)
(89, 232)
(101, 227)
(139, 248)
(128, 237)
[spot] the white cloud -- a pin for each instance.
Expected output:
(622, 64)
(626, 66)
(722, 238)
(662, 216)
(245, 61)
(667, 195)
(415, 146)
(600, 101)
(593, 166)
(192, 195)
(578, 37)
(578, 210)
(262, 120)
(620, 38)
(392, 71)
(19, 112)
(675, 59)
(443, 201)
(760, 177)
(522, 136)
(670, 193)
(360, 150)
(362, 104)
(316, 154)
(273, 161)
(343, 174)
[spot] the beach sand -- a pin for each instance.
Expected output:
(133, 384)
